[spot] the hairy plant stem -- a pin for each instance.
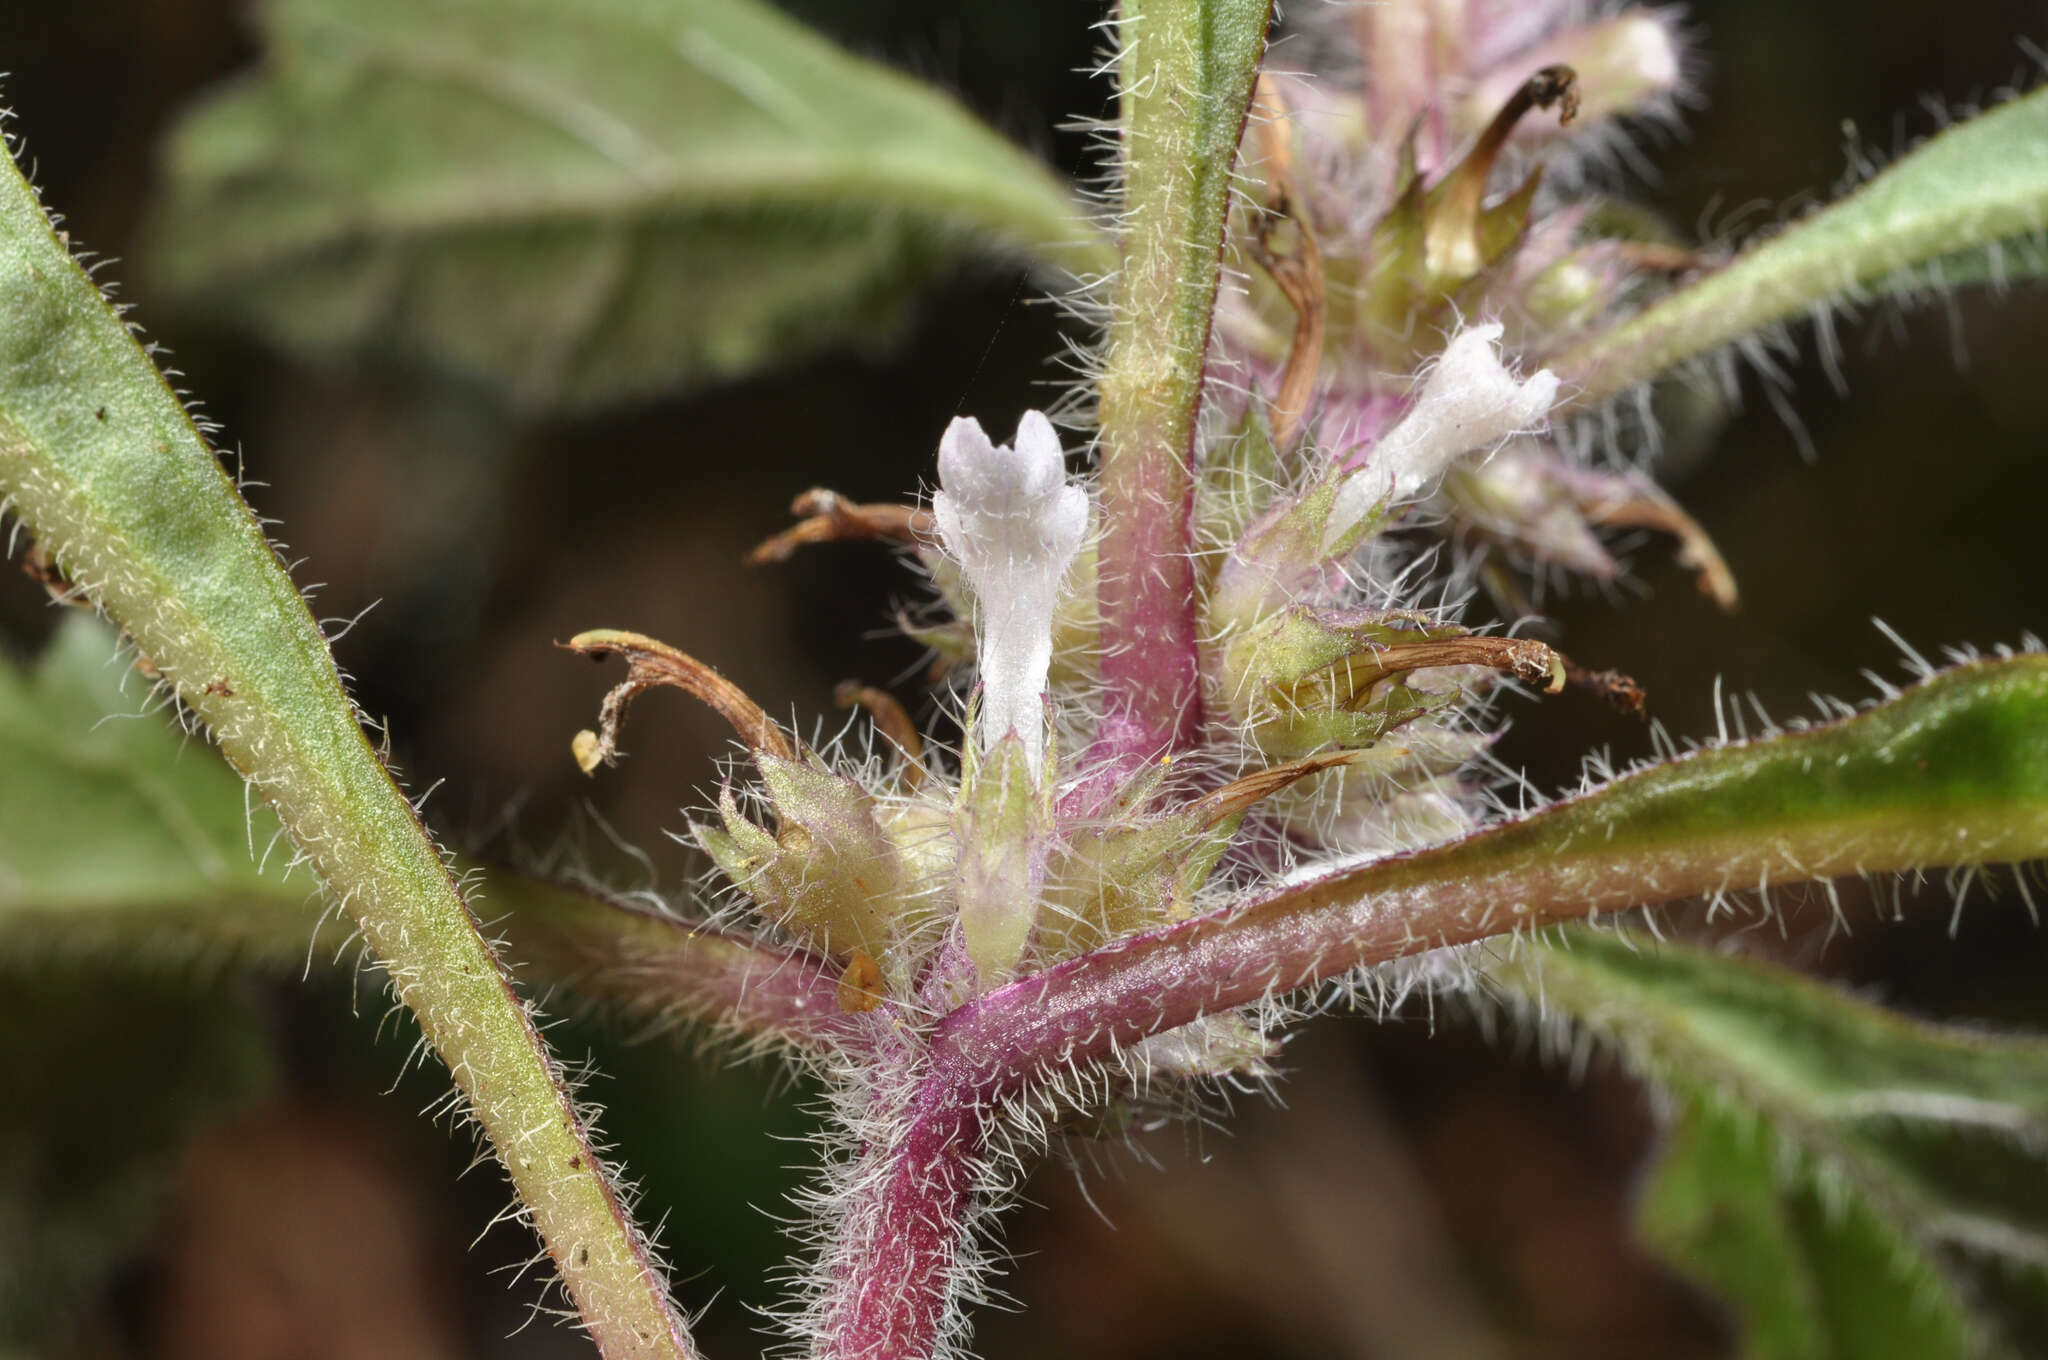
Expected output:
(894, 1260)
(101, 461)
(1186, 71)
(1807, 806)
(662, 969)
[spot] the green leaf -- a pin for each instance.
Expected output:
(119, 834)
(1857, 1184)
(585, 203)
(103, 464)
(1977, 188)
(1951, 772)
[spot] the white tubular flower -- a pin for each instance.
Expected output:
(1469, 401)
(1013, 522)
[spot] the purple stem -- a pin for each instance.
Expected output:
(1508, 878)
(1186, 74)
(897, 1245)
(1150, 666)
(659, 967)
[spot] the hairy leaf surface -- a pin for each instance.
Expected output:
(1968, 205)
(1951, 772)
(585, 203)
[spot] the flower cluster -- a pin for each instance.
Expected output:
(1408, 270)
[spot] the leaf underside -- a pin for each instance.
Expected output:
(1854, 1183)
(1951, 772)
(588, 203)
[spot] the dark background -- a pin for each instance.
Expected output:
(1424, 1194)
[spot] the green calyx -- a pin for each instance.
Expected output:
(1306, 681)
(829, 874)
(1301, 683)
(1002, 825)
(1284, 553)
(1128, 872)
(1434, 252)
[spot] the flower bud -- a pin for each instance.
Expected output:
(1469, 401)
(1214, 1046)
(1524, 498)
(1401, 794)
(1119, 876)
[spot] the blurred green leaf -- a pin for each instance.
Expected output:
(1856, 1183)
(1964, 207)
(117, 831)
(585, 203)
